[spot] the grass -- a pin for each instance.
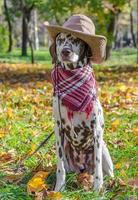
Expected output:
(26, 119)
(42, 57)
(125, 56)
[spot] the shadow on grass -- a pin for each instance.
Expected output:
(14, 77)
(34, 74)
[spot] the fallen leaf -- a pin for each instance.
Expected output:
(121, 182)
(39, 195)
(37, 183)
(2, 133)
(115, 124)
(54, 195)
(33, 147)
(133, 183)
(13, 177)
(122, 87)
(111, 183)
(135, 131)
(7, 156)
(127, 165)
(118, 165)
(10, 112)
(119, 143)
(85, 180)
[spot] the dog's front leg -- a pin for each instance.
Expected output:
(60, 174)
(98, 140)
(107, 161)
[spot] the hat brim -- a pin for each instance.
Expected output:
(97, 43)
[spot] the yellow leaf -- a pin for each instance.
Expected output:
(135, 131)
(115, 124)
(2, 133)
(121, 87)
(37, 184)
(10, 112)
(118, 166)
(33, 147)
(54, 196)
(42, 174)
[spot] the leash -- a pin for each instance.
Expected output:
(20, 163)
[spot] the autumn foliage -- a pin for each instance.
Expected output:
(26, 119)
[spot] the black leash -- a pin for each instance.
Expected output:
(20, 163)
(37, 149)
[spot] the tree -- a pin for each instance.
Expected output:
(58, 11)
(103, 13)
(131, 24)
(105, 16)
(25, 8)
(8, 19)
(35, 30)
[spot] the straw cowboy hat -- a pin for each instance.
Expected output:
(82, 27)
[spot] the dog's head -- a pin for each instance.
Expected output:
(71, 51)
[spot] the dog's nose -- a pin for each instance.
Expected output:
(66, 51)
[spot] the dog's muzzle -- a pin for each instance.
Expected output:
(66, 52)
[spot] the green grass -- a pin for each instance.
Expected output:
(125, 56)
(26, 119)
(42, 57)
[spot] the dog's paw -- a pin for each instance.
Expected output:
(98, 184)
(59, 188)
(111, 174)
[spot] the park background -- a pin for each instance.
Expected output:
(26, 97)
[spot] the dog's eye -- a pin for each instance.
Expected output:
(60, 38)
(75, 41)
(60, 41)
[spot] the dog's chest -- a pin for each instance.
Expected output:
(78, 137)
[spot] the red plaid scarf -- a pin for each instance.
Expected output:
(76, 88)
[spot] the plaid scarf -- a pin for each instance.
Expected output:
(76, 88)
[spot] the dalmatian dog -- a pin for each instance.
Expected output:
(79, 138)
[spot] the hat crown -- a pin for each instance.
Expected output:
(80, 23)
(83, 28)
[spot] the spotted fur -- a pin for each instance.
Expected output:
(79, 140)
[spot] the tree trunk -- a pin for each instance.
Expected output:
(116, 39)
(108, 51)
(36, 39)
(24, 35)
(110, 31)
(9, 26)
(32, 51)
(132, 28)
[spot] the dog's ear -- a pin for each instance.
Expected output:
(52, 50)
